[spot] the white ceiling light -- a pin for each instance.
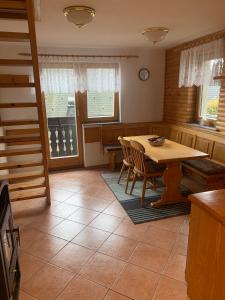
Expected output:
(79, 15)
(155, 34)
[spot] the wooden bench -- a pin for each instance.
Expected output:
(212, 173)
(112, 151)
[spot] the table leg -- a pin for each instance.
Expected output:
(171, 178)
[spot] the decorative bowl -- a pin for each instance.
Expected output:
(157, 141)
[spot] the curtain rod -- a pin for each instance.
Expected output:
(84, 56)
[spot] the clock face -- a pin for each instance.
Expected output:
(144, 74)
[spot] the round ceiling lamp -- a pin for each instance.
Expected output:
(79, 15)
(155, 34)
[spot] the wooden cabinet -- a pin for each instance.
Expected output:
(205, 269)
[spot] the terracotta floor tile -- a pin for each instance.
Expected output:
(82, 289)
(63, 210)
(67, 230)
(29, 266)
(128, 229)
(91, 237)
(46, 247)
(115, 209)
(60, 195)
(118, 246)
(67, 185)
(106, 222)
(102, 269)
(93, 203)
(25, 296)
(48, 283)
(176, 267)
(29, 236)
(137, 283)
(181, 244)
(173, 224)
(83, 215)
(150, 257)
(185, 227)
(158, 237)
(111, 295)
(72, 257)
(46, 222)
(170, 289)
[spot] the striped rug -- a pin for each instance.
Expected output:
(131, 203)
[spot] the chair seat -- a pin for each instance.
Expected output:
(205, 166)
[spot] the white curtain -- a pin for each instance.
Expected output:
(199, 65)
(63, 75)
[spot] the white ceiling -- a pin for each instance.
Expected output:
(119, 23)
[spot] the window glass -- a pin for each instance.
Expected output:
(100, 104)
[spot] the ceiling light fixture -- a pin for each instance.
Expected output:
(155, 34)
(79, 15)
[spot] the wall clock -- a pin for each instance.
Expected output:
(143, 74)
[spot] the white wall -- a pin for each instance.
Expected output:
(139, 101)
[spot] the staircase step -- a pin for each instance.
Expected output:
(21, 164)
(22, 175)
(28, 184)
(18, 138)
(23, 151)
(17, 85)
(25, 131)
(18, 105)
(16, 62)
(18, 122)
(14, 36)
(13, 5)
(27, 194)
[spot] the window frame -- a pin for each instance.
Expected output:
(114, 118)
(209, 122)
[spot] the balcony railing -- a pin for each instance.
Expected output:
(62, 137)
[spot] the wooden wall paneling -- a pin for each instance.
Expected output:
(174, 135)
(188, 139)
(138, 130)
(158, 130)
(204, 145)
(92, 134)
(110, 134)
(219, 152)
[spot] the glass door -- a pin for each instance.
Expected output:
(64, 130)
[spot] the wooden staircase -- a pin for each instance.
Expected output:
(25, 140)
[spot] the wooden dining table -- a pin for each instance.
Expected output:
(172, 154)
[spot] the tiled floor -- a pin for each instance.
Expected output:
(84, 247)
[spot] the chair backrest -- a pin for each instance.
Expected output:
(126, 148)
(138, 157)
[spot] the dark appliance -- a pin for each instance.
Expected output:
(9, 239)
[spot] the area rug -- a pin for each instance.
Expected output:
(131, 203)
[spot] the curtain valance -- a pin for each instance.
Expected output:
(63, 75)
(199, 65)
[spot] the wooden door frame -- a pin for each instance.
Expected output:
(66, 162)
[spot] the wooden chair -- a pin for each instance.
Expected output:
(147, 169)
(127, 160)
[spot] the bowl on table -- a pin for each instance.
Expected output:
(157, 141)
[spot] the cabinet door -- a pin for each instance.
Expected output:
(203, 244)
(219, 290)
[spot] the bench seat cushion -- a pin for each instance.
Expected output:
(205, 166)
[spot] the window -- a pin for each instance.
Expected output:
(101, 103)
(209, 101)
(210, 94)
